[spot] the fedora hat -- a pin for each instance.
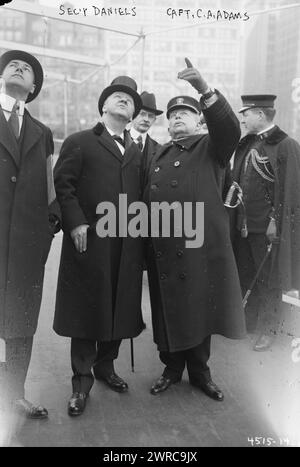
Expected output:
(32, 61)
(124, 84)
(149, 103)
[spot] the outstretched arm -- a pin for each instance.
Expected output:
(223, 126)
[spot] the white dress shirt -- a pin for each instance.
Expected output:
(266, 129)
(122, 149)
(135, 134)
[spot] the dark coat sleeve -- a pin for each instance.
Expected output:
(66, 175)
(223, 128)
(54, 209)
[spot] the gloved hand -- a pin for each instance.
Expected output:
(271, 232)
(193, 76)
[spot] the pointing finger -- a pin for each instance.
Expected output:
(188, 63)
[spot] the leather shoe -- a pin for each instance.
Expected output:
(113, 381)
(76, 404)
(209, 388)
(162, 384)
(263, 343)
(27, 409)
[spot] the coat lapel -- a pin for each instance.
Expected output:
(127, 154)
(106, 140)
(8, 140)
(149, 146)
(162, 150)
(31, 134)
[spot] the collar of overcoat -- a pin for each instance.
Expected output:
(276, 135)
(105, 139)
(30, 134)
(186, 143)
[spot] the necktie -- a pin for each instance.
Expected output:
(13, 120)
(119, 139)
(140, 142)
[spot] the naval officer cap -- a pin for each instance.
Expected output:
(179, 102)
(257, 100)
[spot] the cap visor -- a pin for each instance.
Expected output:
(182, 106)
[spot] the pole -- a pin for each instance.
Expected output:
(143, 37)
(132, 355)
(65, 108)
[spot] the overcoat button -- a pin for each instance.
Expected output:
(176, 163)
(174, 183)
(159, 254)
(163, 277)
(182, 275)
(154, 187)
(157, 169)
(13, 179)
(179, 253)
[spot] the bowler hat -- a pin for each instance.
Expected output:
(32, 61)
(124, 84)
(149, 103)
(183, 101)
(257, 100)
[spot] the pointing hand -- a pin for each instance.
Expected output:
(193, 76)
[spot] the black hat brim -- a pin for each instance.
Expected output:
(246, 107)
(155, 111)
(120, 87)
(32, 61)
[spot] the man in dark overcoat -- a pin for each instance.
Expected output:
(28, 214)
(194, 291)
(99, 285)
(142, 124)
(267, 166)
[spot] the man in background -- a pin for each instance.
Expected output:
(267, 167)
(142, 124)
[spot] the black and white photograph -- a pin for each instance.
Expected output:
(149, 226)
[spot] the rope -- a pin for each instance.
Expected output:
(255, 159)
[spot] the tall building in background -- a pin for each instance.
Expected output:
(215, 49)
(258, 55)
(272, 60)
(64, 104)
